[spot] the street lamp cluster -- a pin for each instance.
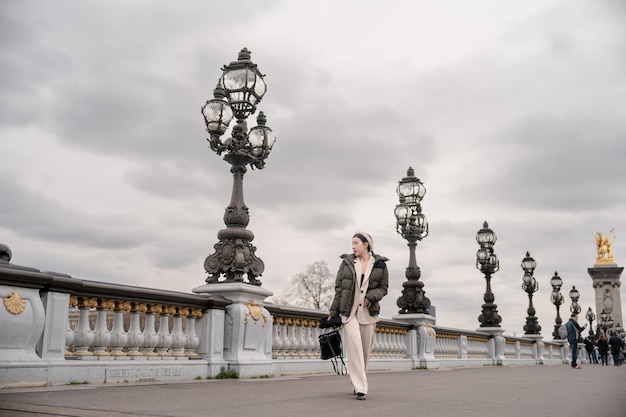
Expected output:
(557, 299)
(412, 225)
(530, 286)
(487, 262)
(238, 92)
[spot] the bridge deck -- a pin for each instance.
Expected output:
(547, 391)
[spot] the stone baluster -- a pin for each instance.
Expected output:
(179, 339)
(397, 343)
(165, 337)
(83, 338)
(135, 335)
(453, 346)
(301, 341)
(311, 340)
(403, 343)
(119, 337)
(69, 332)
(287, 342)
(102, 335)
(150, 337)
(376, 342)
(388, 349)
(393, 338)
(193, 340)
(316, 331)
(277, 343)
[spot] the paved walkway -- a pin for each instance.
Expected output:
(546, 391)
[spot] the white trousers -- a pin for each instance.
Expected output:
(359, 339)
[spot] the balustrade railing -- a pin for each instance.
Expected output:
(107, 329)
(54, 317)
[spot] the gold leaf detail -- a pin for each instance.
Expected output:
(256, 312)
(14, 303)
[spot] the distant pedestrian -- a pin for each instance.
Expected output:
(617, 344)
(573, 329)
(590, 346)
(603, 349)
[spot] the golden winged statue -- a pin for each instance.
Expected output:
(604, 254)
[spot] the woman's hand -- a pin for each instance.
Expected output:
(367, 303)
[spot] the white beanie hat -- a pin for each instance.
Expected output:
(367, 237)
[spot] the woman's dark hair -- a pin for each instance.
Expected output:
(362, 238)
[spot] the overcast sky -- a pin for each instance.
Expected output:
(510, 112)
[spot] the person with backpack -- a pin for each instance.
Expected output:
(573, 330)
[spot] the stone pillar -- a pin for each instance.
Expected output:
(497, 344)
(52, 344)
(426, 337)
(606, 285)
(247, 328)
(537, 347)
(22, 320)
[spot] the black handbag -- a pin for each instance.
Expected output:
(332, 348)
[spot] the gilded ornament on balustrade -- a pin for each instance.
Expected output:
(256, 312)
(14, 303)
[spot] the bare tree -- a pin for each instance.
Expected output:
(313, 288)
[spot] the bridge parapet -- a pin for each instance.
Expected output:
(57, 329)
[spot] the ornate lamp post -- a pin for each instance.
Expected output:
(574, 295)
(530, 285)
(487, 262)
(575, 307)
(239, 90)
(412, 225)
(557, 299)
(604, 317)
(590, 318)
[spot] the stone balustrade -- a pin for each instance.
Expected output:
(56, 329)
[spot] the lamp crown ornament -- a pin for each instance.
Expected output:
(574, 295)
(238, 92)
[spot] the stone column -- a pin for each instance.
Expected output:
(537, 347)
(426, 335)
(497, 344)
(247, 328)
(22, 320)
(606, 285)
(52, 344)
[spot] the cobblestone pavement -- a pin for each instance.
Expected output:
(546, 391)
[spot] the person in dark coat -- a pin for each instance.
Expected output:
(603, 349)
(361, 283)
(590, 347)
(573, 329)
(617, 344)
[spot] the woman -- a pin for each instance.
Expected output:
(361, 283)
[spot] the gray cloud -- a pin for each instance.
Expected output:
(511, 115)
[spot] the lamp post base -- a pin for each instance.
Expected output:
(422, 349)
(247, 328)
(497, 343)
